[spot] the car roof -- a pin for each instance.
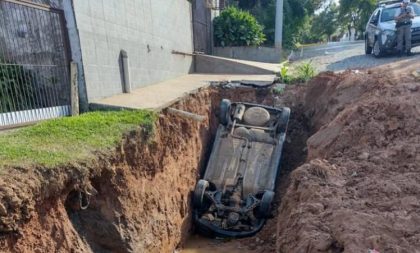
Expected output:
(393, 5)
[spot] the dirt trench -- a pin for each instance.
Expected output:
(348, 183)
(141, 189)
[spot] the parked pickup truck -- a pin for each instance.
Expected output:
(234, 197)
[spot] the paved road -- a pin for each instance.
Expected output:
(344, 55)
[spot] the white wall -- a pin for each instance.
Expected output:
(147, 29)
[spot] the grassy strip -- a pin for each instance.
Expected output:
(64, 140)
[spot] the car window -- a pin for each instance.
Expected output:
(374, 17)
(389, 13)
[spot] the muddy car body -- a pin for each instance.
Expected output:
(233, 199)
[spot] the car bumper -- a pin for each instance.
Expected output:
(206, 228)
(389, 43)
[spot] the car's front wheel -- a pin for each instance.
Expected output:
(377, 52)
(368, 48)
(265, 205)
(224, 115)
(200, 189)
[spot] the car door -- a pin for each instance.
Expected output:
(373, 26)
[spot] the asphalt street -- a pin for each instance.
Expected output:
(339, 56)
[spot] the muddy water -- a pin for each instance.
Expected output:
(198, 244)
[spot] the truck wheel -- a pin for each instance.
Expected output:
(224, 116)
(377, 49)
(284, 120)
(265, 206)
(368, 49)
(200, 189)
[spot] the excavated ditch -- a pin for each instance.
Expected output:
(348, 181)
(141, 190)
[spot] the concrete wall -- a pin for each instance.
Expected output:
(261, 54)
(147, 29)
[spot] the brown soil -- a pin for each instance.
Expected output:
(359, 188)
(349, 178)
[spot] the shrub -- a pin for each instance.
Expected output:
(301, 73)
(305, 71)
(284, 74)
(235, 27)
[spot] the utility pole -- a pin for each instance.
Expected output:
(279, 24)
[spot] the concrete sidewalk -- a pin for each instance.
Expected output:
(161, 95)
(221, 65)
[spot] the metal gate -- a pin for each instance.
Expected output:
(34, 63)
(202, 26)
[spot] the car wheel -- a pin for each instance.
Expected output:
(265, 205)
(200, 189)
(224, 115)
(377, 49)
(368, 49)
(283, 121)
(256, 116)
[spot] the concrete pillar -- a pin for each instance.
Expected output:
(126, 71)
(74, 98)
(76, 53)
(279, 24)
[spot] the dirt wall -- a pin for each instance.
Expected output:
(142, 200)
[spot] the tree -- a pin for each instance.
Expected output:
(297, 14)
(356, 13)
(326, 22)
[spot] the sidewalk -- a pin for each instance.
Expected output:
(161, 95)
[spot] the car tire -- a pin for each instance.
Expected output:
(377, 49)
(283, 121)
(256, 116)
(224, 115)
(265, 205)
(200, 189)
(368, 49)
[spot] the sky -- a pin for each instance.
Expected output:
(326, 4)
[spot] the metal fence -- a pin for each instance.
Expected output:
(202, 23)
(202, 26)
(34, 63)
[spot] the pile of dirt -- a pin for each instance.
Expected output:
(359, 188)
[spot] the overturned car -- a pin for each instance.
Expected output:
(233, 199)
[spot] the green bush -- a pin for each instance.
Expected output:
(305, 71)
(235, 27)
(301, 73)
(284, 74)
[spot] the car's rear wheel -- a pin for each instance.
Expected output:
(200, 189)
(283, 120)
(377, 52)
(368, 48)
(225, 107)
(265, 205)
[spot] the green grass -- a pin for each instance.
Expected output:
(65, 140)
